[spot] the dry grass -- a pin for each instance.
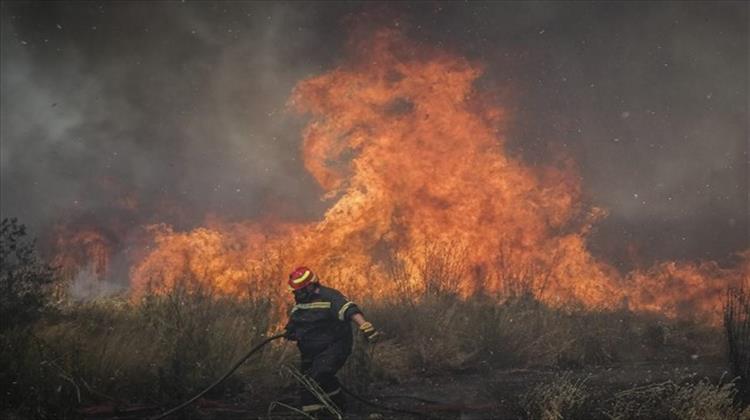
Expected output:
(166, 347)
(568, 397)
(562, 398)
(155, 351)
(443, 333)
(669, 400)
(737, 327)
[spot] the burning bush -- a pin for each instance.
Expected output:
(409, 152)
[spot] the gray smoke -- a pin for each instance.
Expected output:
(180, 104)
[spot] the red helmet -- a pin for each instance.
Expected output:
(301, 277)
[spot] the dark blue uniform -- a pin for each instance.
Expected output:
(323, 333)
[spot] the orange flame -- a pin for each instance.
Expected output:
(412, 158)
(80, 248)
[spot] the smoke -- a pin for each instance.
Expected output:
(124, 114)
(176, 106)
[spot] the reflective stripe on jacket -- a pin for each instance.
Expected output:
(323, 320)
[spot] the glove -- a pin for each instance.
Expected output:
(370, 332)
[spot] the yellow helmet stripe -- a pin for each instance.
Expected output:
(303, 278)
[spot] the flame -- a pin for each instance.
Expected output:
(411, 157)
(79, 248)
(683, 290)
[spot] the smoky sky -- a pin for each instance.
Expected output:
(141, 112)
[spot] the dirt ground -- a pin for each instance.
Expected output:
(486, 394)
(494, 394)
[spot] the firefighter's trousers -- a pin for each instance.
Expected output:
(321, 363)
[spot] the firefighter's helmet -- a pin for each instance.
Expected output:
(301, 277)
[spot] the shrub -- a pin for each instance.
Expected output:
(562, 398)
(24, 278)
(28, 380)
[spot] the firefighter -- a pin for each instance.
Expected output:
(320, 324)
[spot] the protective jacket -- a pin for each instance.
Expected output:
(323, 320)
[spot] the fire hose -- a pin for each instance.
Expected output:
(220, 380)
(253, 351)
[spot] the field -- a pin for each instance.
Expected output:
(475, 358)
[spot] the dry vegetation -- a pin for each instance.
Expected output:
(737, 326)
(163, 348)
